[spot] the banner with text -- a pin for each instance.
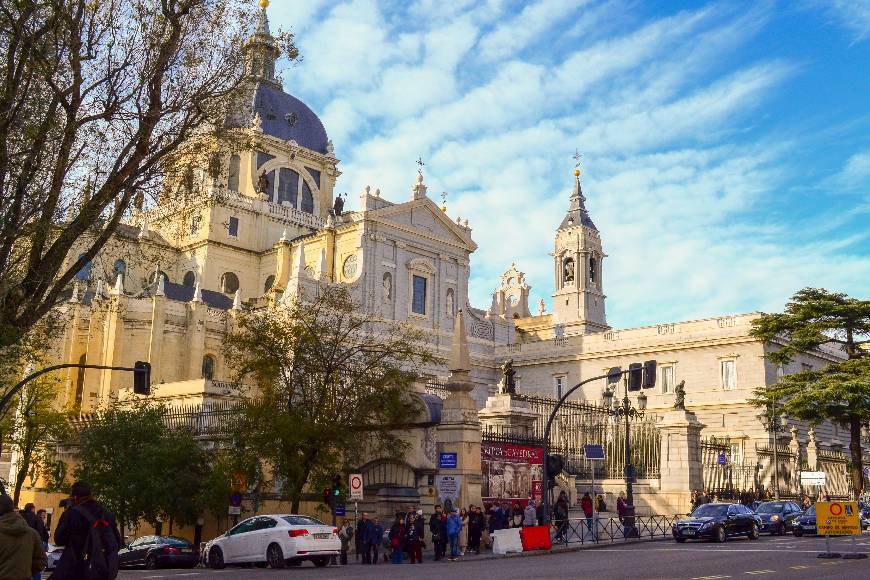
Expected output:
(511, 473)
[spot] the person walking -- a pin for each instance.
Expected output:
(438, 532)
(374, 537)
(539, 512)
(530, 516)
(362, 530)
(414, 539)
(586, 506)
(454, 526)
(21, 553)
(516, 516)
(359, 536)
(74, 527)
(620, 507)
(560, 513)
(463, 533)
(35, 522)
(344, 535)
(475, 528)
(397, 538)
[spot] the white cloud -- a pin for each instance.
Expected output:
(854, 15)
(856, 173)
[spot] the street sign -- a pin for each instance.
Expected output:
(235, 499)
(814, 478)
(594, 451)
(356, 486)
(340, 510)
(721, 459)
(447, 461)
(837, 518)
(235, 510)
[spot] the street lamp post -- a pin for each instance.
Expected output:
(773, 424)
(627, 412)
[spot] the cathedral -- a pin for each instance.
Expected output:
(168, 286)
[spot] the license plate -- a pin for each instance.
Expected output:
(689, 532)
(321, 536)
(809, 527)
(187, 551)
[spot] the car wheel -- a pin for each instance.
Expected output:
(782, 529)
(720, 536)
(216, 559)
(321, 562)
(680, 540)
(275, 557)
(150, 562)
(753, 533)
(797, 532)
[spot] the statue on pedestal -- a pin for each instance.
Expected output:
(507, 386)
(680, 401)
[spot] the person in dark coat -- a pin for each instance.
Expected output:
(374, 536)
(560, 515)
(413, 540)
(397, 538)
(438, 532)
(359, 536)
(72, 531)
(35, 522)
(475, 529)
(21, 553)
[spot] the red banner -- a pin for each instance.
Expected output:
(511, 473)
(512, 453)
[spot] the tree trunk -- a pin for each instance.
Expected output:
(20, 476)
(855, 449)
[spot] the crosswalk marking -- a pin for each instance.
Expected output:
(756, 572)
(798, 567)
(710, 577)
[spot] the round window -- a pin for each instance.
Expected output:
(350, 266)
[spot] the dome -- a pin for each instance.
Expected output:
(287, 118)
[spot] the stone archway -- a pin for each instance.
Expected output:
(389, 487)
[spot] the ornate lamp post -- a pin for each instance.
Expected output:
(774, 422)
(625, 410)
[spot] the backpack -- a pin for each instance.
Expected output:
(100, 556)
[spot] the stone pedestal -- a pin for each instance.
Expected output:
(681, 468)
(506, 414)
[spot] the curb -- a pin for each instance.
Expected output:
(570, 548)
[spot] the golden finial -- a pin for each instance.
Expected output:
(264, 4)
(576, 173)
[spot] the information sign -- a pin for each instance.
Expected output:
(340, 510)
(235, 510)
(837, 518)
(813, 478)
(721, 459)
(594, 451)
(356, 486)
(447, 460)
(448, 487)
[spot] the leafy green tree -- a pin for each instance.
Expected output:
(840, 392)
(331, 386)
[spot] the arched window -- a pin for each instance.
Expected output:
(593, 271)
(233, 176)
(270, 281)
(307, 204)
(568, 270)
(189, 279)
(208, 367)
(288, 186)
(229, 283)
(120, 268)
(85, 272)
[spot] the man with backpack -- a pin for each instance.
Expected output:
(90, 535)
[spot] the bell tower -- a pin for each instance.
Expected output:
(578, 303)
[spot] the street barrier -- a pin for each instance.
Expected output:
(578, 530)
(536, 538)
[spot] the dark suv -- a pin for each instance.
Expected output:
(805, 523)
(717, 521)
(777, 516)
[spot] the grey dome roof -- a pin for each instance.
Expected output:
(285, 117)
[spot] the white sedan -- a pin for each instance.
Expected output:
(276, 540)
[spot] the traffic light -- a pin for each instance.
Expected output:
(649, 374)
(635, 376)
(142, 378)
(327, 495)
(336, 487)
(613, 375)
(555, 465)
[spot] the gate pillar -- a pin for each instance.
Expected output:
(681, 468)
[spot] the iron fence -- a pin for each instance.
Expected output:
(579, 531)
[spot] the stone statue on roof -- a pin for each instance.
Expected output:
(680, 401)
(508, 386)
(262, 183)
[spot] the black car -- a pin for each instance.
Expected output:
(158, 552)
(777, 516)
(717, 521)
(805, 523)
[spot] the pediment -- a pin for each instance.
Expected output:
(423, 217)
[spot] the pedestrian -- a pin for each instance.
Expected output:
(414, 539)
(516, 519)
(73, 529)
(438, 532)
(560, 513)
(34, 521)
(359, 536)
(586, 506)
(397, 538)
(475, 528)
(602, 506)
(344, 535)
(530, 516)
(454, 526)
(362, 530)
(21, 553)
(620, 507)
(539, 512)
(374, 537)
(463, 534)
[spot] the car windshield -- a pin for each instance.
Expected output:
(770, 508)
(811, 511)
(710, 511)
(302, 521)
(173, 541)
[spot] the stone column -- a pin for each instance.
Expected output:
(812, 451)
(681, 469)
(505, 414)
(459, 430)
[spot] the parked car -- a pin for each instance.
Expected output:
(717, 521)
(865, 517)
(154, 552)
(777, 516)
(805, 523)
(276, 540)
(53, 554)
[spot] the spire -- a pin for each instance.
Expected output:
(283, 236)
(300, 262)
(261, 50)
(237, 300)
(75, 293)
(197, 292)
(161, 286)
(459, 360)
(119, 284)
(577, 214)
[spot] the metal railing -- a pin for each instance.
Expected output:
(608, 529)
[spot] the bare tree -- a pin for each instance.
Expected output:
(98, 106)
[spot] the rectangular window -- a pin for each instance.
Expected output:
(558, 386)
(194, 224)
(729, 374)
(418, 301)
(668, 379)
(234, 227)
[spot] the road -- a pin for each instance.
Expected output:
(777, 557)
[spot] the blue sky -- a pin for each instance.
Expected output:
(726, 144)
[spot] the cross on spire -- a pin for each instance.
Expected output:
(577, 157)
(420, 164)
